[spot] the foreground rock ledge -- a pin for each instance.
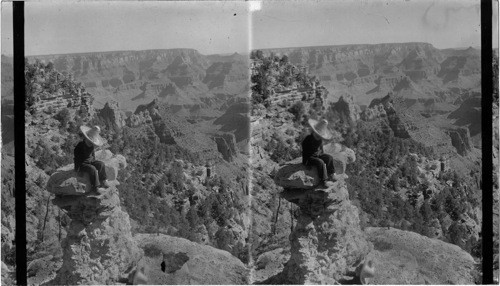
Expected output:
(188, 263)
(404, 257)
(99, 246)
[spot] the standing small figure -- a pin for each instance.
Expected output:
(207, 165)
(85, 158)
(313, 154)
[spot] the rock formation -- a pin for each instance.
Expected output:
(110, 112)
(99, 246)
(404, 257)
(172, 260)
(295, 175)
(371, 113)
(460, 139)
(327, 240)
(347, 108)
(226, 145)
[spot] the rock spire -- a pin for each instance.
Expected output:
(99, 246)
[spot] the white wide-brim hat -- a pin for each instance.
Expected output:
(92, 134)
(321, 128)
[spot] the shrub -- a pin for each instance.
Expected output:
(152, 250)
(64, 117)
(298, 110)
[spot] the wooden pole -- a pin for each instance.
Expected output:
(45, 219)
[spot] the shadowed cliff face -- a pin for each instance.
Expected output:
(469, 114)
(460, 139)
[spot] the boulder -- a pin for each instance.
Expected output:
(297, 176)
(270, 263)
(188, 263)
(68, 182)
(404, 257)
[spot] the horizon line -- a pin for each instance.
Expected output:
(365, 44)
(242, 53)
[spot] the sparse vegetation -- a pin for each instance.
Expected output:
(385, 181)
(298, 110)
(43, 81)
(272, 71)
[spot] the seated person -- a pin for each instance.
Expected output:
(312, 151)
(85, 158)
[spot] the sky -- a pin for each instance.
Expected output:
(224, 26)
(444, 24)
(61, 27)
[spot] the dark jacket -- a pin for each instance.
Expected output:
(83, 155)
(311, 148)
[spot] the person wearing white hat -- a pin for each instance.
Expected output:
(85, 157)
(312, 150)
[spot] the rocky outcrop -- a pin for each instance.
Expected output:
(404, 257)
(294, 175)
(384, 108)
(226, 145)
(140, 118)
(98, 247)
(177, 261)
(110, 112)
(460, 139)
(327, 241)
(67, 182)
(371, 113)
(347, 109)
(164, 133)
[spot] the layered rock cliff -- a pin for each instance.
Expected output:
(99, 247)
(181, 77)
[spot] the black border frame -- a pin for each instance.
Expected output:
(487, 160)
